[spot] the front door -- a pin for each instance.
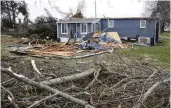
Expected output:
(73, 31)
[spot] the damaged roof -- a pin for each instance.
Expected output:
(79, 20)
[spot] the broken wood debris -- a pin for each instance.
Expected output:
(66, 51)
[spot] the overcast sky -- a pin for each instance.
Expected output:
(108, 8)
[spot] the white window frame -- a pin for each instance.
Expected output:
(81, 28)
(66, 28)
(141, 26)
(112, 22)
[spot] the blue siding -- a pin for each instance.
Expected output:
(130, 27)
(124, 27)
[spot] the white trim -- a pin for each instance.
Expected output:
(141, 24)
(66, 28)
(108, 23)
(81, 28)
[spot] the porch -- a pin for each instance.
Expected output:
(76, 29)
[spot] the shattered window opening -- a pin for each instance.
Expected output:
(64, 28)
(142, 23)
(83, 28)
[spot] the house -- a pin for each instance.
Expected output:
(84, 28)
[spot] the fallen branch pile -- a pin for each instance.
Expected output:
(111, 81)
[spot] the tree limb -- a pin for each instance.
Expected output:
(38, 102)
(45, 87)
(35, 67)
(96, 74)
(149, 91)
(70, 78)
(12, 99)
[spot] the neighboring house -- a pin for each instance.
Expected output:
(84, 28)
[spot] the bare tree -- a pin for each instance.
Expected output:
(162, 8)
(71, 13)
(10, 9)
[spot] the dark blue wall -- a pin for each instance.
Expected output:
(130, 27)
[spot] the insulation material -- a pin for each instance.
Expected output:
(115, 36)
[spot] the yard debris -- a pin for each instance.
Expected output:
(101, 42)
(35, 67)
(57, 49)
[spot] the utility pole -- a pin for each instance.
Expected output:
(95, 8)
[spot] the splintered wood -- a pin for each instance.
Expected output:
(57, 49)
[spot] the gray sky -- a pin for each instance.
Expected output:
(116, 8)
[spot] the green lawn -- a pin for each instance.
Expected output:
(161, 51)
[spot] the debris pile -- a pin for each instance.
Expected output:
(100, 42)
(103, 81)
(59, 50)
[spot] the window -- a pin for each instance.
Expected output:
(64, 28)
(83, 28)
(95, 27)
(110, 23)
(142, 23)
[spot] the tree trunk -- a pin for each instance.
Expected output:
(162, 28)
(9, 14)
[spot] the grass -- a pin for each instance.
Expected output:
(161, 51)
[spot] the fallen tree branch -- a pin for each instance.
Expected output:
(45, 87)
(35, 67)
(149, 91)
(144, 85)
(38, 102)
(12, 99)
(70, 78)
(96, 74)
(8, 81)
